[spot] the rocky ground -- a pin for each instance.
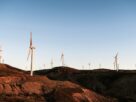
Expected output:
(17, 86)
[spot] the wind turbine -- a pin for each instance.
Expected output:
(135, 65)
(100, 66)
(52, 63)
(116, 65)
(1, 60)
(82, 66)
(30, 54)
(62, 59)
(89, 64)
(44, 66)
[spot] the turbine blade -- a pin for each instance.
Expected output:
(31, 42)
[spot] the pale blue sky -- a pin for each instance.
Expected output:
(87, 31)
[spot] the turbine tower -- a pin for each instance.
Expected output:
(116, 65)
(1, 60)
(30, 54)
(62, 59)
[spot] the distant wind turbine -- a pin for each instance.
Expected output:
(62, 59)
(3, 61)
(89, 64)
(116, 65)
(30, 54)
(100, 66)
(52, 63)
(1, 55)
(44, 66)
(135, 65)
(83, 67)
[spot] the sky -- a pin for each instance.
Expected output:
(86, 31)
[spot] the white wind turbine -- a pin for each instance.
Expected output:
(52, 63)
(89, 64)
(1, 58)
(116, 64)
(62, 59)
(30, 54)
(0, 55)
(100, 66)
(83, 67)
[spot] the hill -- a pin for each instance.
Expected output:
(120, 85)
(6, 70)
(17, 86)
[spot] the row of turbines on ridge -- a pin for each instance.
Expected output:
(31, 57)
(32, 48)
